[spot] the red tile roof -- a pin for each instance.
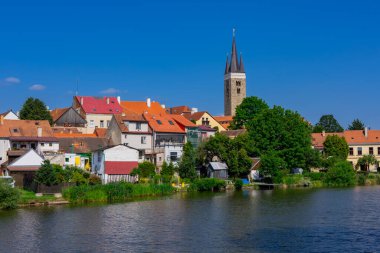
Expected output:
(25, 128)
(318, 139)
(195, 116)
(100, 132)
(23, 168)
(119, 168)
(181, 120)
(158, 119)
(180, 109)
(57, 113)
(352, 137)
(120, 119)
(99, 105)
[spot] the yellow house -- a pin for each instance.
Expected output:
(204, 119)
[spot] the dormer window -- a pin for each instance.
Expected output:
(159, 122)
(171, 122)
(15, 130)
(37, 123)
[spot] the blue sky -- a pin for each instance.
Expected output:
(316, 57)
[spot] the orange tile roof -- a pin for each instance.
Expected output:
(182, 120)
(57, 113)
(195, 116)
(223, 118)
(180, 109)
(74, 135)
(100, 132)
(120, 119)
(352, 137)
(156, 116)
(25, 128)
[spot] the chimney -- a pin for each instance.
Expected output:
(366, 132)
(118, 99)
(163, 106)
(193, 110)
(81, 100)
(148, 102)
(108, 101)
(1, 120)
(39, 131)
(323, 133)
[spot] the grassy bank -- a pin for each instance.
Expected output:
(114, 192)
(207, 184)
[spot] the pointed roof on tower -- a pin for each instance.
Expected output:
(241, 65)
(227, 65)
(234, 65)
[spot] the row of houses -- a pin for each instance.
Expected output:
(360, 143)
(103, 135)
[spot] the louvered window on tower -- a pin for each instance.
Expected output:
(238, 90)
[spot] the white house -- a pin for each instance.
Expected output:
(9, 115)
(115, 163)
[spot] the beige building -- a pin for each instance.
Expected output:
(234, 82)
(204, 119)
(360, 143)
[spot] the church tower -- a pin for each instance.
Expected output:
(234, 81)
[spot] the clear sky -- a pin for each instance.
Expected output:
(316, 57)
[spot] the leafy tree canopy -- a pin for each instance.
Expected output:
(283, 132)
(328, 124)
(365, 161)
(356, 124)
(340, 174)
(167, 169)
(247, 110)
(35, 109)
(47, 174)
(336, 146)
(144, 169)
(187, 165)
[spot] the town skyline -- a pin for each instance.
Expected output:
(285, 65)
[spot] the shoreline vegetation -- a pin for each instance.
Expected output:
(11, 198)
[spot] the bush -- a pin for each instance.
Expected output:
(340, 174)
(361, 179)
(315, 176)
(94, 180)
(238, 184)
(117, 191)
(47, 174)
(144, 169)
(9, 196)
(207, 184)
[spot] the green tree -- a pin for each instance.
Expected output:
(9, 196)
(356, 124)
(365, 161)
(145, 169)
(283, 132)
(247, 110)
(271, 164)
(47, 174)
(340, 174)
(187, 165)
(167, 169)
(328, 124)
(336, 146)
(35, 109)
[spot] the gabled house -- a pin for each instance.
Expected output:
(67, 117)
(9, 115)
(204, 119)
(133, 130)
(217, 170)
(168, 136)
(115, 163)
(97, 111)
(22, 135)
(225, 121)
(24, 168)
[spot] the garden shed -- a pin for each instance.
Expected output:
(217, 170)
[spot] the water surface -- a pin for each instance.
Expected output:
(301, 220)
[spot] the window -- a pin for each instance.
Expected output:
(159, 122)
(42, 144)
(102, 123)
(238, 90)
(173, 156)
(14, 145)
(371, 150)
(141, 154)
(360, 151)
(108, 123)
(15, 130)
(238, 83)
(378, 150)
(351, 151)
(143, 139)
(99, 158)
(227, 92)
(92, 123)
(67, 159)
(23, 146)
(171, 122)
(50, 144)
(138, 126)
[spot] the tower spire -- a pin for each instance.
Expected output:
(234, 61)
(226, 69)
(241, 64)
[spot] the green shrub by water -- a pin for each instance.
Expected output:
(207, 184)
(340, 174)
(9, 196)
(238, 184)
(114, 192)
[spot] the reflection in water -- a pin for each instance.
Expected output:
(300, 220)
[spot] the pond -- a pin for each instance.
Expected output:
(299, 220)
